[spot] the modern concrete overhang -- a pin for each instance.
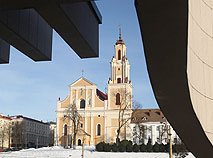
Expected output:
(164, 31)
(27, 25)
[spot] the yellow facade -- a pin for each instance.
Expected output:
(99, 111)
(5, 125)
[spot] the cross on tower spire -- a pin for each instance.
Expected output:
(119, 41)
(120, 32)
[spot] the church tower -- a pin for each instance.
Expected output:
(120, 67)
(119, 93)
(120, 75)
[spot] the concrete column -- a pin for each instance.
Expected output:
(4, 52)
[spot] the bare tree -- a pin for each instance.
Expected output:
(51, 138)
(8, 131)
(164, 135)
(3, 134)
(140, 132)
(18, 130)
(72, 114)
(123, 100)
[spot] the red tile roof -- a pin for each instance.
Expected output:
(5, 117)
(101, 95)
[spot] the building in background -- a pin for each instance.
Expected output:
(151, 124)
(52, 134)
(5, 131)
(99, 111)
(28, 132)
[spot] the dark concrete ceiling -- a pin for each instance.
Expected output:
(76, 21)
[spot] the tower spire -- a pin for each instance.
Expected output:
(120, 32)
(119, 41)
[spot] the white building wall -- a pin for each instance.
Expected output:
(152, 131)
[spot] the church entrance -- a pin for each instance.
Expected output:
(79, 142)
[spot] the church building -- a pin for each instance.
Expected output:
(99, 111)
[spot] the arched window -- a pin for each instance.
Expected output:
(118, 80)
(118, 99)
(119, 54)
(98, 130)
(79, 142)
(82, 104)
(65, 130)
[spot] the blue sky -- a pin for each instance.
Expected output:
(32, 88)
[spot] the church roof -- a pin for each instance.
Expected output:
(84, 79)
(101, 95)
(147, 115)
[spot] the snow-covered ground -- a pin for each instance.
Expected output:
(59, 152)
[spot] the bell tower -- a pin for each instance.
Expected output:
(119, 84)
(120, 67)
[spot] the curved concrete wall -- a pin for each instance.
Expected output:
(200, 61)
(178, 46)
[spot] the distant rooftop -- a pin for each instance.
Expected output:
(27, 118)
(147, 115)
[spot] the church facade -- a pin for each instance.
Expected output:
(101, 114)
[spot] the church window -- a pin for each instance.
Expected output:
(90, 101)
(98, 130)
(65, 130)
(118, 99)
(81, 125)
(82, 104)
(118, 80)
(119, 54)
(99, 115)
(81, 91)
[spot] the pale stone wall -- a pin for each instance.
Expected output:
(125, 89)
(4, 125)
(200, 61)
(154, 131)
